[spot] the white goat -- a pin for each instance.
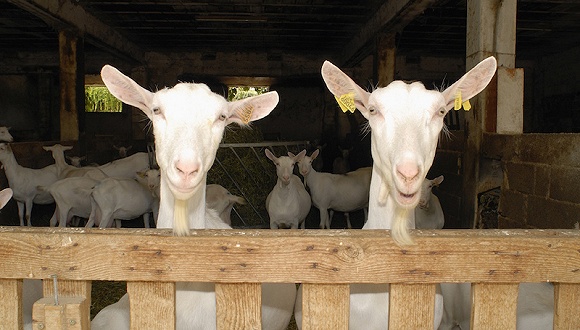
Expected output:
(188, 124)
(72, 197)
(222, 201)
(5, 135)
(24, 181)
(405, 122)
(288, 203)
(76, 160)
(122, 150)
(339, 192)
(31, 289)
(120, 199)
(121, 168)
(428, 213)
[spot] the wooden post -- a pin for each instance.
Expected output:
(11, 307)
(68, 314)
(325, 306)
(386, 55)
(71, 84)
(490, 31)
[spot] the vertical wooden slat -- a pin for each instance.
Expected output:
(11, 306)
(152, 305)
(238, 306)
(566, 307)
(494, 306)
(325, 306)
(411, 306)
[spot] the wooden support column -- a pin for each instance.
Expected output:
(385, 59)
(490, 32)
(72, 97)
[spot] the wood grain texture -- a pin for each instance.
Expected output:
(325, 306)
(566, 306)
(494, 306)
(308, 256)
(152, 305)
(238, 306)
(411, 306)
(11, 308)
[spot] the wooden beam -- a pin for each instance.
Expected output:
(391, 17)
(66, 15)
(282, 256)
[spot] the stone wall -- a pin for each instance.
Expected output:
(541, 186)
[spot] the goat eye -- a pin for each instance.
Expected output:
(372, 110)
(222, 117)
(442, 112)
(157, 111)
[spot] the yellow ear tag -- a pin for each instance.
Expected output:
(458, 102)
(245, 113)
(466, 105)
(346, 102)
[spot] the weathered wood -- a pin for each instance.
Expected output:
(566, 307)
(69, 314)
(70, 84)
(238, 306)
(325, 306)
(494, 306)
(72, 289)
(313, 256)
(411, 306)
(11, 306)
(152, 305)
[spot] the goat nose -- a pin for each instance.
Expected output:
(187, 167)
(408, 171)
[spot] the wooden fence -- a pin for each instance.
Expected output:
(326, 261)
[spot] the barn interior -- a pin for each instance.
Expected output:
(511, 162)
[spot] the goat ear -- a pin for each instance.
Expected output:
(5, 196)
(437, 181)
(471, 83)
(339, 83)
(252, 108)
(300, 156)
(314, 154)
(127, 90)
(270, 155)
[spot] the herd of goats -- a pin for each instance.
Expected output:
(405, 121)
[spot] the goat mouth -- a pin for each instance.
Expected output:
(407, 199)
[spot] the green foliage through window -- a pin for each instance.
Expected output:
(241, 92)
(98, 99)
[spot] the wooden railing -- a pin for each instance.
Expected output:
(326, 261)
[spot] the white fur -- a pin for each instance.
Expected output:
(72, 197)
(121, 168)
(222, 201)
(188, 124)
(5, 135)
(5, 195)
(428, 213)
(120, 199)
(339, 192)
(535, 310)
(24, 181)
(405, 122)
(288, 203)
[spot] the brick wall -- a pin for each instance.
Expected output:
(541, 186)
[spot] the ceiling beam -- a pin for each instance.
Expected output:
(66, 15)
(392, 16)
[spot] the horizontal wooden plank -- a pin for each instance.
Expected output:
(307, 256)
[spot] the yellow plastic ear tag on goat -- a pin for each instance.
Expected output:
(346, 102)
(458, 102)
(466, 105)
(245, 113)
